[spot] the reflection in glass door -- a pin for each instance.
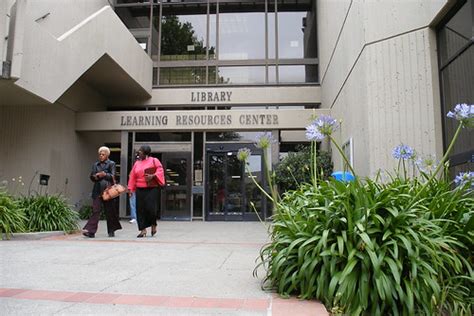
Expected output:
(231, 193)
(175, 196)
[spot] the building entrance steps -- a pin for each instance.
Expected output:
(188, 268)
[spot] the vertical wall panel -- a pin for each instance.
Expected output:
(402, 104)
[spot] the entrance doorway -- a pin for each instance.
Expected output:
(176, 195)
(231, 194)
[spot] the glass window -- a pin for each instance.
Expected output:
(241, 36)
(242, 75)
(232, 136)
(272, 74)
(298, 74)
(155, 76)
(457, 81)
(271, 31)
(212, 31)
(162, 137)
(456, 33)
(182, 75)
(212, 75)
(137, 20)
(290, 34)
(183, 37)
(456, 54)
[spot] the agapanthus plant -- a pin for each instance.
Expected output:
(465, 179)
(376, 247)
(264, 140)
(243, 154)
(427, 164)
(322, 127)
(404, 152)
(463, 113)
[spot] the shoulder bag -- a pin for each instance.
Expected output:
(113, 191)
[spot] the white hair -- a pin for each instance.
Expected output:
(104, 149)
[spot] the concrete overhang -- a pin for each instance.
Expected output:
(97, 57)
(112, 81)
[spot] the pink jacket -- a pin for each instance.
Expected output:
(137, 175)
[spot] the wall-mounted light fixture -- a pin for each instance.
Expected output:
(44, 178)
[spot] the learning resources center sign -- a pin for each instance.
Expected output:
(196, 120)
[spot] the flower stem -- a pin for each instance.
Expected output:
(442, 162)
(269, 178)
(258, 185)
(314, 154)
(343, 156)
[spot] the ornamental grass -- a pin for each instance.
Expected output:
(401, 246)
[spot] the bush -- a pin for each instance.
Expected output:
(367, 249)
(49, 213)
(399, 247)
(12, 217)
(295, 168)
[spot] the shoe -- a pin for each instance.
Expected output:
(112, 234)
(142, 234)
(132, 221)
(87, 234)
(153, 230)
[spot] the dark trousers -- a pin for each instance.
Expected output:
(111, 215)
(147, 207)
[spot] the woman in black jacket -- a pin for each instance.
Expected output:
(102, 174)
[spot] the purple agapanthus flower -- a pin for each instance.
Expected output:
(465, 178)
(326, 124)
(403, 152)
(243, 154)
(427, 163)
(312, 133)
(321, 127)
(463, 113)
(264, 140)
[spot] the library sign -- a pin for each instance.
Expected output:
(196, 120)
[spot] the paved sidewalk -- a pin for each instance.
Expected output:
(188, 268)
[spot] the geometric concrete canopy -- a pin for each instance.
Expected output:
(48, 66)
(110, 80)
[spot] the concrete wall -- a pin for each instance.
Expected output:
(4, 22)
(379, 75)
(61, 16)
(42, 140)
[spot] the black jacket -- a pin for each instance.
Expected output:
(100, 184)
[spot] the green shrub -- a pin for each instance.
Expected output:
(365, 249)
(49, 213)
(399, 247)
(295, 168)
(12, 217)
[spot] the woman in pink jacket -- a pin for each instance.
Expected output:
(146, 177)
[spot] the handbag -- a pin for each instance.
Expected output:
(113, 191)
(157, 181)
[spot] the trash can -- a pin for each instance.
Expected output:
(343, 176)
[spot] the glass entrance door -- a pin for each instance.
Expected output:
(176, 195)
(230, 191)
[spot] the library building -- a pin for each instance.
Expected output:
(197, 80)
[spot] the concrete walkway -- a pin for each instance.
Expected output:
(188, 268)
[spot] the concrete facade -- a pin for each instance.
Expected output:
(379, 75)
